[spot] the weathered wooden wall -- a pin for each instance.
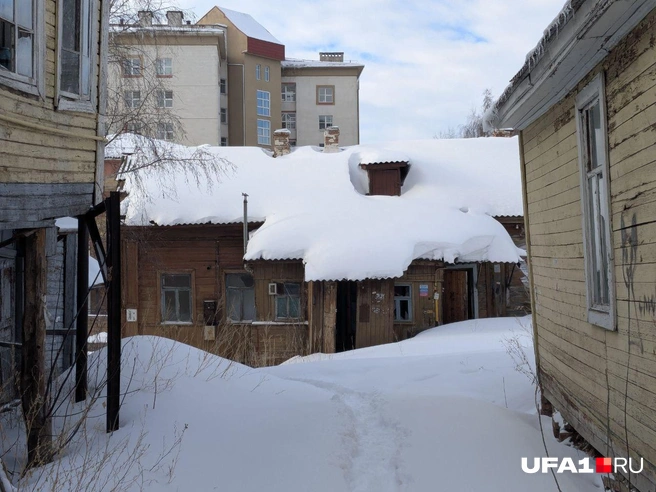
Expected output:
(425, 310)
(604, 382)
(45, 174)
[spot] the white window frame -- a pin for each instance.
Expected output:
(36, 84)
(223, 86)
(286, 116)
(163, 101)
(127, 61)
(67, 101)
(267, 73)
(326, 94)
(132, 99)
(599, 315)
(288, 95)
(163, 129)
(263, 103)
(177, 291)
(324, 116)
(258, 70)
(163, 67)
(224, 116)
(262, 137)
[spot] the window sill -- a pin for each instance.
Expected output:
(602, 319)
(403, 322)
(176, 323)
(279, 321)
(19, 85)
(65, 104)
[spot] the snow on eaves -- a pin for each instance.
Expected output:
(249, 26)
(298, 63)
(314, 206)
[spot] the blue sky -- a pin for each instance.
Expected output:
(427, 62)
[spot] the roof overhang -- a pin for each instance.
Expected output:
(578, 39)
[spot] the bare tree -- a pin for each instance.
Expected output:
(473, 127)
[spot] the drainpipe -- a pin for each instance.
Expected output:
(245, 221)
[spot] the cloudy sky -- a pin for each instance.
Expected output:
(427, 62)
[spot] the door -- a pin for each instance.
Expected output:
(7, 327)
(456, 296)
(346, 322)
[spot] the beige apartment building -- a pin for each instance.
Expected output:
(226, 80)
(169, 80)
(319, 94)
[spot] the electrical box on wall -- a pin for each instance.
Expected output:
(209, 333)
(209, 312)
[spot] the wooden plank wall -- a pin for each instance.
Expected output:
(375, 313)
(604, 382)
(35, 157)
(424, 309)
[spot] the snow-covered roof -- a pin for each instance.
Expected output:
(249, 26)
(297, 63)
(315, 208)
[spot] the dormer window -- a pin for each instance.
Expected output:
(386, 178)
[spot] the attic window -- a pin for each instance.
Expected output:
(386, 178)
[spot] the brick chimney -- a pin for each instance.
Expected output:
(331, 56)
(281, 142)
(174, 18)
(145, 18)
(331, 139)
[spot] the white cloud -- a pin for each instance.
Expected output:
(427, 62)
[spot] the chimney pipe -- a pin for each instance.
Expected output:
(145, 18)
(331, 139)
(174, 18)
(281, 142)
(245, 221)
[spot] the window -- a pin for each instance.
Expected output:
(289, 121)
(263, 103)
(165, 131)
(132, 99)
(402, 303)
(222, 86)
(176, 298)
(75, 48)
(134, 127)
(263, 132)
(132, 67)
(593, 160)
(325, 121)
(240, 297)
(258, 68)
(266, 73)
(288, 92)
(17, 42)
(325, 94)
(164, 99)
(224, 142)
(288, 303)
(164, 67)
(224, 115)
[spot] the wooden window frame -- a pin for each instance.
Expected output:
(35, 84)
(397, 300)
(284, 294)
(225, 302)
(597, 314)
(68, 101)
(324, 103)
(192, 291)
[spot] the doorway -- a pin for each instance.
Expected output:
(459, 295)
(346, 320)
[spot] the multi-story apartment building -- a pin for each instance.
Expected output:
(227, 82)
(319, 94)
(169, 80)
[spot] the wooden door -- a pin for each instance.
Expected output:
(7, 328)
(456, 297)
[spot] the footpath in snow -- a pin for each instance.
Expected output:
(445, 411)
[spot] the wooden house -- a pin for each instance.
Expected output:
(51, 156)
(585, 107)
(346, 249)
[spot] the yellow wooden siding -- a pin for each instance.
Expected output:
(584, 368)
(25, 150)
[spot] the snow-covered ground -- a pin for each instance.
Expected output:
(445, 411)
